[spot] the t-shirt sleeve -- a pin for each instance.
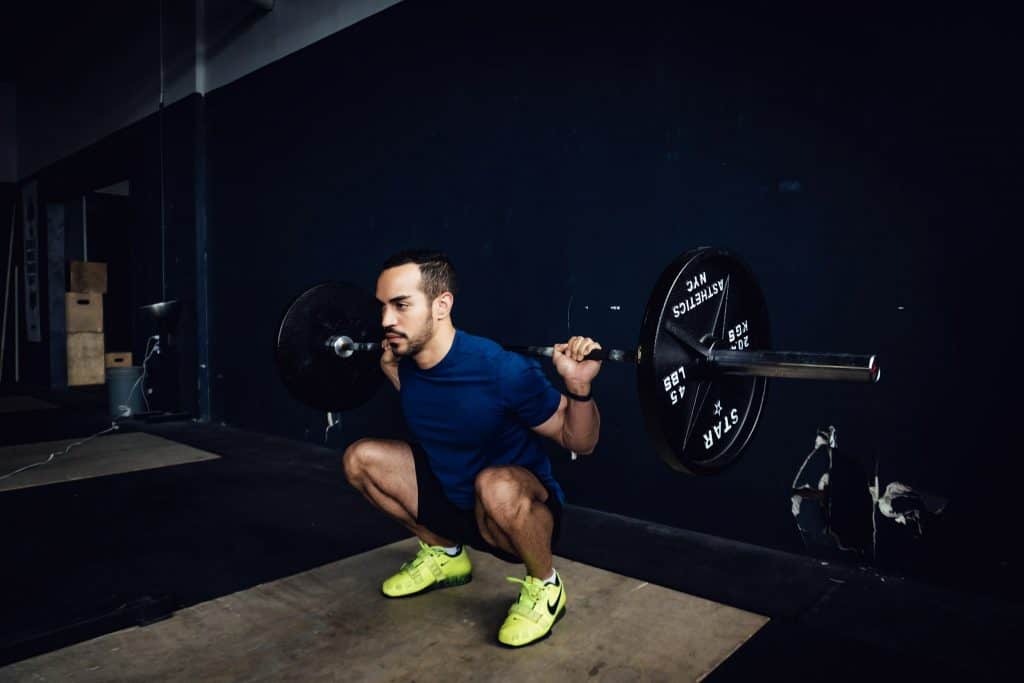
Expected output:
(526, 391)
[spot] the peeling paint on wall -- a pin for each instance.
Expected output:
(906, 506)
(838, 509)
(828, 503)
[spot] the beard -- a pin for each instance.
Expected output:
(416, 342)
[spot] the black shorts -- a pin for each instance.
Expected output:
(444, 518)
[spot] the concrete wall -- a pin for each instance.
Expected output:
(8, 134)
(206, 44)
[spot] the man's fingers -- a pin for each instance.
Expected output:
(577, 348)
(581, 349)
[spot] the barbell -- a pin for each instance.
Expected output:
(703, 357)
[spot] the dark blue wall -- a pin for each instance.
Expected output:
(558, 151)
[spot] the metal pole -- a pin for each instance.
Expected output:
(160, 122)
(17, 330)
(843, 367)
(85, 231)
(797, 365)
(7, 293)
(706, 361)
(614, 355)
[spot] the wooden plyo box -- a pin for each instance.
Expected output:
(88, 276)
(85, 359)
(83, 311)
(118, 360)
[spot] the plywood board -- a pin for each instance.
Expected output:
(121, 359)
(101, 457)
(85, 359)
(83, 312)
(333, 624)
(88, 276)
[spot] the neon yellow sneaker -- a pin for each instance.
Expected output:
(531, 617)
(431, 568)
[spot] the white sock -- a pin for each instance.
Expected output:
(551, 579)
(453, 551)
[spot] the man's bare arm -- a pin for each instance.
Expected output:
(575, 426)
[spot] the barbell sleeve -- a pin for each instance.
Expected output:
(343, 346)
(843, 367)
(796, 365)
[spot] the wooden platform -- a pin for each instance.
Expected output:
(103, 456)
(332, 624)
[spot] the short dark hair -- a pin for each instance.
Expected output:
(436, 269)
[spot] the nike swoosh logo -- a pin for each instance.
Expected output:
(554, 608)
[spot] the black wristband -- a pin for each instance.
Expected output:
(577, 397)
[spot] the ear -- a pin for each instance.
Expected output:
(443, 305)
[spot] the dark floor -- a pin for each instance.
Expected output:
(89, 557)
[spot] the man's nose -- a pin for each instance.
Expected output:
(387, 318)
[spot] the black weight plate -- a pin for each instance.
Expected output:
(700, 423)
(312, 373)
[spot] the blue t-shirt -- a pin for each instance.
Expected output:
(475, 409)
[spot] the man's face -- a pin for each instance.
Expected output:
(406, 315)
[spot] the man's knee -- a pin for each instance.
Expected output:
(501, 493)
(358, 459)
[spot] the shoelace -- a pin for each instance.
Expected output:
(422, 554)
(532, 592)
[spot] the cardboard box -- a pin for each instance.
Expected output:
(85, 359)
(118, 360)
(88, 276)
(83, 312)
